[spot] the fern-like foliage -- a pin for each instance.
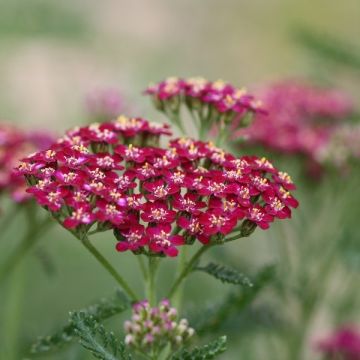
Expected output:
(102, 344)
(213, 317)
(102, 310)
(209, 351)
(226, 274)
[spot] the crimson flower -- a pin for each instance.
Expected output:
(154, 198)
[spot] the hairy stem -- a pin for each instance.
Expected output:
(108, 267)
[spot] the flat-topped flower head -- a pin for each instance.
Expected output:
(155, 199)
(14, 145)
(156, 327)
(301, 119)
(212, 104)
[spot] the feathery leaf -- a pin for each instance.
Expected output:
(102, 344)
(226, 274)
(209, 351)
(105, 309)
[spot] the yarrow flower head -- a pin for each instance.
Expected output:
(155, 199)
(343, 344)
(153, 328)
(15, 144)
(301, 119)
(104, 104)
(211, 104)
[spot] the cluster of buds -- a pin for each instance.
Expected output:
(301, 118)
(212, 104)
(104, 104)
(343, 344)
(155, 199)
(14, 145)
(153, 328)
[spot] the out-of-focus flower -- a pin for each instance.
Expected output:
(301, 119)
(104, 104)
(153, 328)
(14, 145)
(212, 104)
(342, 147)
(343, 344)
(155, 199)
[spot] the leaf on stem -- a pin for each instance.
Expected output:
(209, 351)
(102, 310)
(226, 274)
(213, 317)
(93, 337)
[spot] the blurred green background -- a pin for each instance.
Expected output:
(53, 53)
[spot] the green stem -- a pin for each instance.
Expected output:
(142, 266)
(187, 269)
(26, 244)
(238, 236)
(151, 291)
(108, 267)
(181, 266)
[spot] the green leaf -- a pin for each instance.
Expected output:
(226, 274)
(213, 317)
(103, 310)
(209, 351)
(93, 337)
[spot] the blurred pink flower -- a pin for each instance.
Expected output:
(301, 118)
(343, 344)
(103, 104)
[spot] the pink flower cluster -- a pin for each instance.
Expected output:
(154, 198)
(104, 104)
(301, 118)
(196, 93)
(156, 327)
(344, 344)
(14, 145)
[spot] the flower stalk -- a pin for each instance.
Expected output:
(108, 267)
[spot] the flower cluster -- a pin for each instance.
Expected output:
(14, 145)
(154, 198)
(344, 344)
(301, 118)
(104, 104)
(156, 327)
(211, 103)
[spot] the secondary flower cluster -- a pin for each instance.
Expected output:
(154, 198)
(301, 118)
(215, 103)
(344, 344)
(152, 327)
(104, 104)
(14, 145)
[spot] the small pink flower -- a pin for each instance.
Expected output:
(161, 240)
(157, 212)
(79, 216)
